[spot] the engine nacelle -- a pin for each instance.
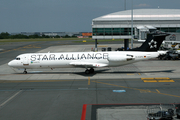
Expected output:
(117, 58)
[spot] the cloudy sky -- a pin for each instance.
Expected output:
(65, 15)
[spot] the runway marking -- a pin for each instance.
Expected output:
(102, 45)
(10, 98)
(130, 74)
(144, 91)
(136, 89)
(163, 78)
(89, 81)
(157, 90)
(150, 80)
(139, 73)
(119, 91)
(166, 79)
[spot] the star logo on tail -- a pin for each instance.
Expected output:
(153, 44)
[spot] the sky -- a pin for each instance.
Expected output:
(66, 15)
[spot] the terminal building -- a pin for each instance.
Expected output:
(118, 25)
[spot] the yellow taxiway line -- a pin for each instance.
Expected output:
(89, 81)
(141, 90)
(166, 79)
(157, 90)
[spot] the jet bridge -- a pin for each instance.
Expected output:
(170, 42)
(141, 31)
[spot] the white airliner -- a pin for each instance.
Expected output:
(90, 60)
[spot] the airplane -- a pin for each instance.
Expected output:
(90, 60)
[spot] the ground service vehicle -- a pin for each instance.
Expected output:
(170, 55)
(178, 111)
(161, 112)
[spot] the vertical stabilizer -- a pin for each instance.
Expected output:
(153, 42)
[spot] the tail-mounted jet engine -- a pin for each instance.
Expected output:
(118, 58)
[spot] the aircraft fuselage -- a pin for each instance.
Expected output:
(79, 59)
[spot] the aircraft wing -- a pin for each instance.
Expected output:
(87, 64)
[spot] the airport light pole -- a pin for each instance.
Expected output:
(132, 26)
(124, 4)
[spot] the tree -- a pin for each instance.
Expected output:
(4, 35)
(45, 36)
(66, 36)
(74, 36)
(34, 36)
(57, 36)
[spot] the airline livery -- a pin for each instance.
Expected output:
(90, 60)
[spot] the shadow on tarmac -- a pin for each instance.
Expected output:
(97, 72)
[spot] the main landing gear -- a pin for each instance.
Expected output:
(89, 71)
(25, 72)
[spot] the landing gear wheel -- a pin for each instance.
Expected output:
(25, 72)
(87, 71)
(91, 70)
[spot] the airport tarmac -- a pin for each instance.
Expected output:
(68, 93)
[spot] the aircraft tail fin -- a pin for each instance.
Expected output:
(153, 42)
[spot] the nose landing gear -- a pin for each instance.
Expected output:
(25, 72)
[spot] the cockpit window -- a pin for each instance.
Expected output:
(17, 58)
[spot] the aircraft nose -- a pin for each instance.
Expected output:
(10, 63)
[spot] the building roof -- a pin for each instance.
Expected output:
(142, 14)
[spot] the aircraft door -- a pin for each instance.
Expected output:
(25, 60)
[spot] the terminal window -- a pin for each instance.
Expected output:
(111, 31)
(170, 29)
(126, 31)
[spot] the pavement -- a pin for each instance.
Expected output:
(68, 93)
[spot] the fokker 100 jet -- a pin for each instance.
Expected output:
(90, 60)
